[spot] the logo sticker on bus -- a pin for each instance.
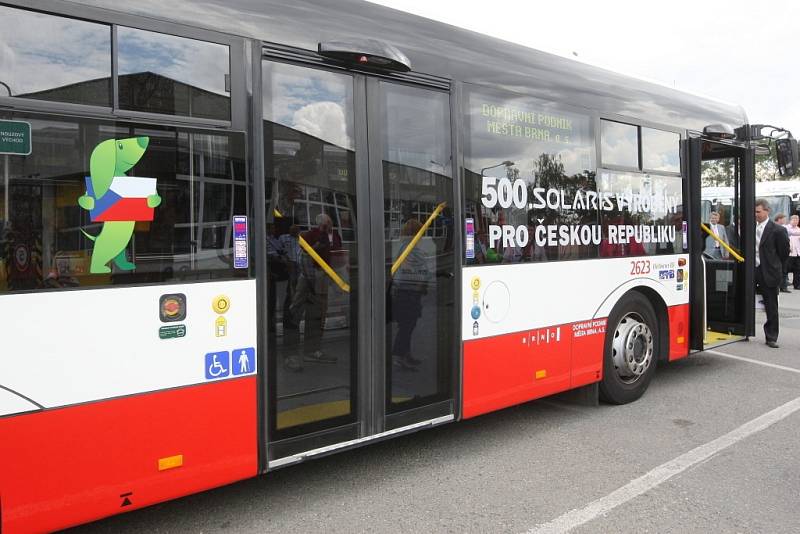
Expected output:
(469, 232)
(172, 331)
(240, 255)
(117, 200)
(172, 307)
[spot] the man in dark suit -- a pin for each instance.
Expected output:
(772, 249)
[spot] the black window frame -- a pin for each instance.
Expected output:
(610, 166)
(639, 125)
(649, 170)
(238, 70)
(241, 87)
(248, 273)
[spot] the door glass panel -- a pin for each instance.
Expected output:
(418, 243)
(724, 274)
(310, 179)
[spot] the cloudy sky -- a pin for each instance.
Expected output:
(737, 51)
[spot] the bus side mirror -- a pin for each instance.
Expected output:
(786, 150)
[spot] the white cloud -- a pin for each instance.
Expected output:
(60, 52)
(189, 61)
(324, 120)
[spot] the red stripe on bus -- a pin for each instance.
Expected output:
(510, 369)
(678, 331)
(505, 370)
(71, 465)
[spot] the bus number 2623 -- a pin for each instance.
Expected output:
(640, 267)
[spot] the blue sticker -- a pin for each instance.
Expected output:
(476, 312)
(243, 361)
(218, 365)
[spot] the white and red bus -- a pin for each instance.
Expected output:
(247, 234)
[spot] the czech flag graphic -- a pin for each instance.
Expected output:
(126, 200)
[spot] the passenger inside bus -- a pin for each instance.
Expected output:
(310, 299)
(713, 247)
(409, 285)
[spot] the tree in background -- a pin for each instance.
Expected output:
(721, 172)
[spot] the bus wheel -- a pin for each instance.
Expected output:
(631, 350)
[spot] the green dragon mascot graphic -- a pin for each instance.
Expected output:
(117, 200)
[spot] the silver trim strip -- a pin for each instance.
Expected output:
(345, 444)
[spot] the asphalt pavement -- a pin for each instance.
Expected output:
(711, 447)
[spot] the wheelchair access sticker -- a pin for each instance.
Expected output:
(218, 365)
(223, 363)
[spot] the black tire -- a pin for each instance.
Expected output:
(631, 332)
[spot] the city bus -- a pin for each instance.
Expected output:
(236, 236)
(783, 198)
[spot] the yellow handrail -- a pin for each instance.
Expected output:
(721, 242)
(322, 263)
(403, 255)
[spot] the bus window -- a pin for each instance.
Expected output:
(619, 144)
(705, 210)
(656, 228)
(53, 58)
(779, 204)
(159, 74)
(660, 151)
(517, 148)
(167, 217)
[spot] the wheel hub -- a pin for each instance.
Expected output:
(632, 348)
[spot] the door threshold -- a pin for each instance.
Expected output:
(719, 339)
(322, 451)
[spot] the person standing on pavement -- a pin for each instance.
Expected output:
(772, 249)
(793, 265)
(780, 220)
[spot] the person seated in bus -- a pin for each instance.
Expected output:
(793, 263)
(409, 285)
(310, 299)
(713, 247)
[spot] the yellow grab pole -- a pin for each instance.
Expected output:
(403, 255)
(322, 263)
(721, 242)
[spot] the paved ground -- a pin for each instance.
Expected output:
(712, 447)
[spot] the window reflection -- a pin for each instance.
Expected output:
(660, 150)
(534, 193)
(619, 144)
(312, 313)
(417, 193)
(656, 228)
(43, 243)
(161, 73)
(46, 57)
(540, 144)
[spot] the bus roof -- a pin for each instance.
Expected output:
(779, 187)
(443, 50)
